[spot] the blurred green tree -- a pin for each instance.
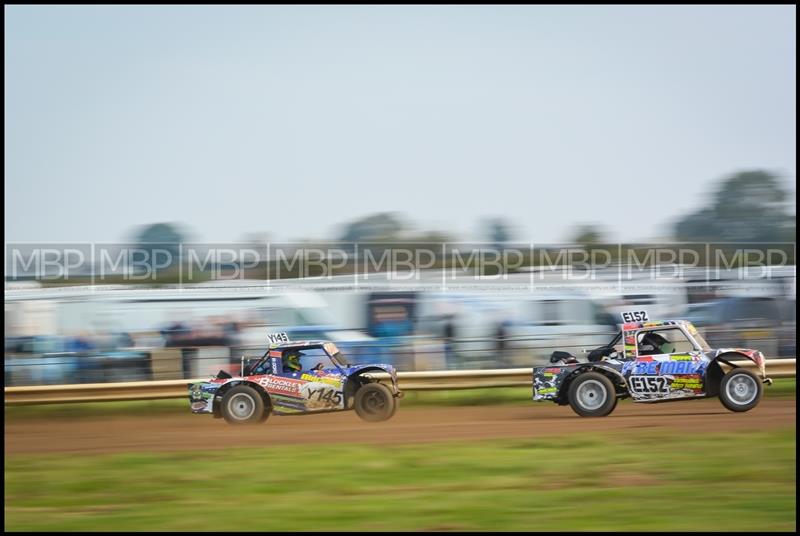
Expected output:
(383, 226)
(164, 236)
(749, 206)
(498, 231)
(588, 235)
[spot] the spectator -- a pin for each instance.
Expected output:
(80, 344)
(448, 336)
(501, 337)
(176, 334)
(232, 331)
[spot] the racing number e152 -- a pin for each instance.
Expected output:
(649, 384)
(635, 316)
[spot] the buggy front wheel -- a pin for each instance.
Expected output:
(374, 402)
(740, 390)
(243, 405)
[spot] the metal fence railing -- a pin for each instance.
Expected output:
(408, 381)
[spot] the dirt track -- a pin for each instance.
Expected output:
(409, 425)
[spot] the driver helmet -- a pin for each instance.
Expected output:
(659, 342)
(292, 360)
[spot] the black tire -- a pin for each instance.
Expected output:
(243, 405)
(374, 402)
(614, 405)
(592, 394)
(740, 390)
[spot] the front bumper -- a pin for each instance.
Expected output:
(201, 397)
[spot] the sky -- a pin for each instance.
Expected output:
(290, 121)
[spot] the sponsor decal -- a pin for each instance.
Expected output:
(687, 382)
(285, 402)
(321, 396)
(330, 380)
(671, 367)
(683, 367)
(640, 367)
(282, 386)
(546, 390)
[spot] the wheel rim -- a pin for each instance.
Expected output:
(592, 394)
(742, 389)
(374, 402)
(241, 406)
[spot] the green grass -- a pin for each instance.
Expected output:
(644, 481)
(782, 388)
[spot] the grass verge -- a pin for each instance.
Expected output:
(649, 481)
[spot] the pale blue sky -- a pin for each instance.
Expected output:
(295, 120)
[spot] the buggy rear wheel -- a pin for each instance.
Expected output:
(592, 394)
